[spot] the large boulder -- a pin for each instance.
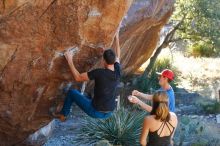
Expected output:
(141, 31)
(33, 36)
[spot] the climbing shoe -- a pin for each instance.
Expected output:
(61, 117)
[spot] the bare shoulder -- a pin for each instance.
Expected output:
(174, 118)
(149, 119)
(173, 114)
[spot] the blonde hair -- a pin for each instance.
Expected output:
(160, 106)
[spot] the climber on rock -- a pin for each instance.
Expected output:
(106, 80)
(165, 77)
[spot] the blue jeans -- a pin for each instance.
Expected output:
(84, 103)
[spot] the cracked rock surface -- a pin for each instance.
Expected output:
(33, 36)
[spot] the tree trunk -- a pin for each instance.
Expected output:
(152, 62)
(166, 42)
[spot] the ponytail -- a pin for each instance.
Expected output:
(160, 106)
(162, 112)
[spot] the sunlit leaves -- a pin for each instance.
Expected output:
(202, 21)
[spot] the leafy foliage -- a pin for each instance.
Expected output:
(123, 128)
(202, 23)
(212, 108)
(151, 82)
(185, 128)
(201, 49)
(194, 132)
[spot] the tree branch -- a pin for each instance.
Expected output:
(167, 40)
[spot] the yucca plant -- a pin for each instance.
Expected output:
(123, 128)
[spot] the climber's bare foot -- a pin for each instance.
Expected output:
(59, 116)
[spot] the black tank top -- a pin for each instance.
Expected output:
(156, 140)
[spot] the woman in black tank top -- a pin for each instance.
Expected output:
(160, 125)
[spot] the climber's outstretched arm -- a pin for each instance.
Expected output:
(79, 77)
(117, 48)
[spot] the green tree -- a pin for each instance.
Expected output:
(197, 22)
(201, 27)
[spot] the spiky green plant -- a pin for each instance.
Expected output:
(123, 128)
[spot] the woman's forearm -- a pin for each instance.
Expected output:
(143, 141)
(145, 96)
(145, 106)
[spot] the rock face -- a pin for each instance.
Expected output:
(141, 31)
(33, 36)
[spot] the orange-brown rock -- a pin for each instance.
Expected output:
(141, 31)
(33, 36)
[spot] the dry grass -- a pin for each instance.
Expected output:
(197, 74)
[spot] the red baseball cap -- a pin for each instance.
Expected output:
(167, 73)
